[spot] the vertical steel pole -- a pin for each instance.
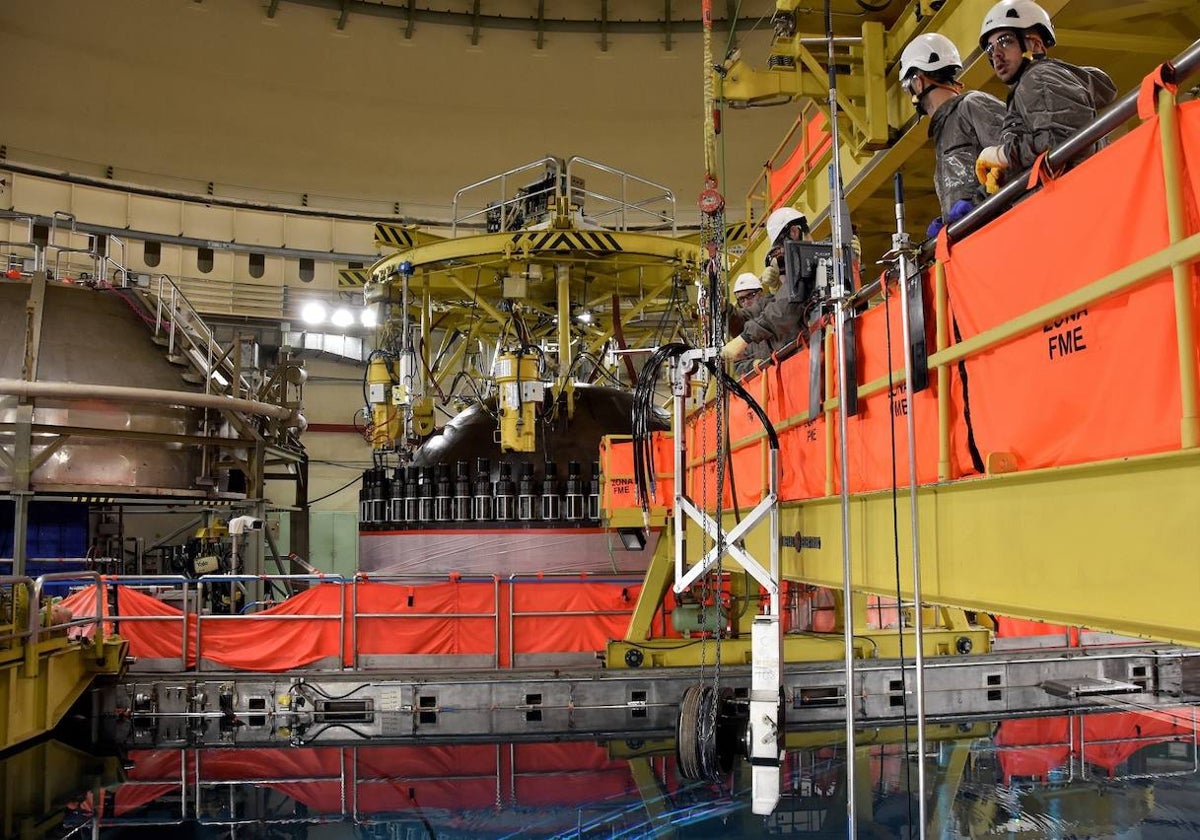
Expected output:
(910, 272)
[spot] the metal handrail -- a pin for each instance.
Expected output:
(502, 178)
(199, 335)
(623, 201)
(233, 579)
(155, 581)
(427, 578)
(39, 585)
(14, 581)
(9, 216)
(347, 618)
(513, 615)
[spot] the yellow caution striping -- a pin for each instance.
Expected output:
(353, 277)
(737, 231)
(393, 235)
(571, 240)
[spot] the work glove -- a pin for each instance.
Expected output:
(935, 227)
(990, 167)
(734, 348)
(959, 209)
(770, 278)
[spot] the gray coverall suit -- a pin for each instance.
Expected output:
(1050, 101)
(961, 128)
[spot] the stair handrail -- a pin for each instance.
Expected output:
(194, 329)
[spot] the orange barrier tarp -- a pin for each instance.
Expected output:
(1103, 381)
(879, 431)
(815, 142)
(451, 618)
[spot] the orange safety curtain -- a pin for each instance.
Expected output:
(1101, 382)
(408, 630)
(882, 417)
(580, 629)
(802, 446)
(450, 618)
(816, 141)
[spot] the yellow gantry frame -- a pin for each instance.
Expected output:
(1109, 545)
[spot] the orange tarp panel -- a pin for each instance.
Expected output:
(584, 630)
(424, 619)
(1124, 734)
(802, 447)
(1021, 628)
(882, 416)
(408, 634)
(1102, 382)
(815, 141)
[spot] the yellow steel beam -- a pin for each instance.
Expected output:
(39, 682)
(654, 587)
(546, 245)
(1110, 546)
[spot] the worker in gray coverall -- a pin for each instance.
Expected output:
(750, 298)
(1049, 100)
(776, 323)
(961, 124)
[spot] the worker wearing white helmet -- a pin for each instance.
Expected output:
(1049, 100)
(774, 321)
(749, 300)
(961, 124)
(746, 288)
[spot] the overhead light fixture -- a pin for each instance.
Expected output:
(313, 312)
(585, 317)
(368, 317)
(341, 317)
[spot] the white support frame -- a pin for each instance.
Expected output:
(766, 638)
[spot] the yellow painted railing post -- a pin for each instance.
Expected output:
(1180, 274)
(942, 317)
(765, 447)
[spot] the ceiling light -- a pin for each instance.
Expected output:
(341, 317)
(313, 312)
(585, 317)
(368, 317)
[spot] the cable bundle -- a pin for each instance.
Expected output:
(642, 420)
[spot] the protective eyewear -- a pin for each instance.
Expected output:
(748, 295)
(1003, 42)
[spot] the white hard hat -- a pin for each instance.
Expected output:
(929, 52)
(780, 219)
(1022, 15)
(747, 282)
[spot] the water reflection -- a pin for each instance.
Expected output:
(1121, 773)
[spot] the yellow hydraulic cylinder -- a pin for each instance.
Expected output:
(521, 393)
(385, 418)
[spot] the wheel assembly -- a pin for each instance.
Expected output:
(709, 733)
